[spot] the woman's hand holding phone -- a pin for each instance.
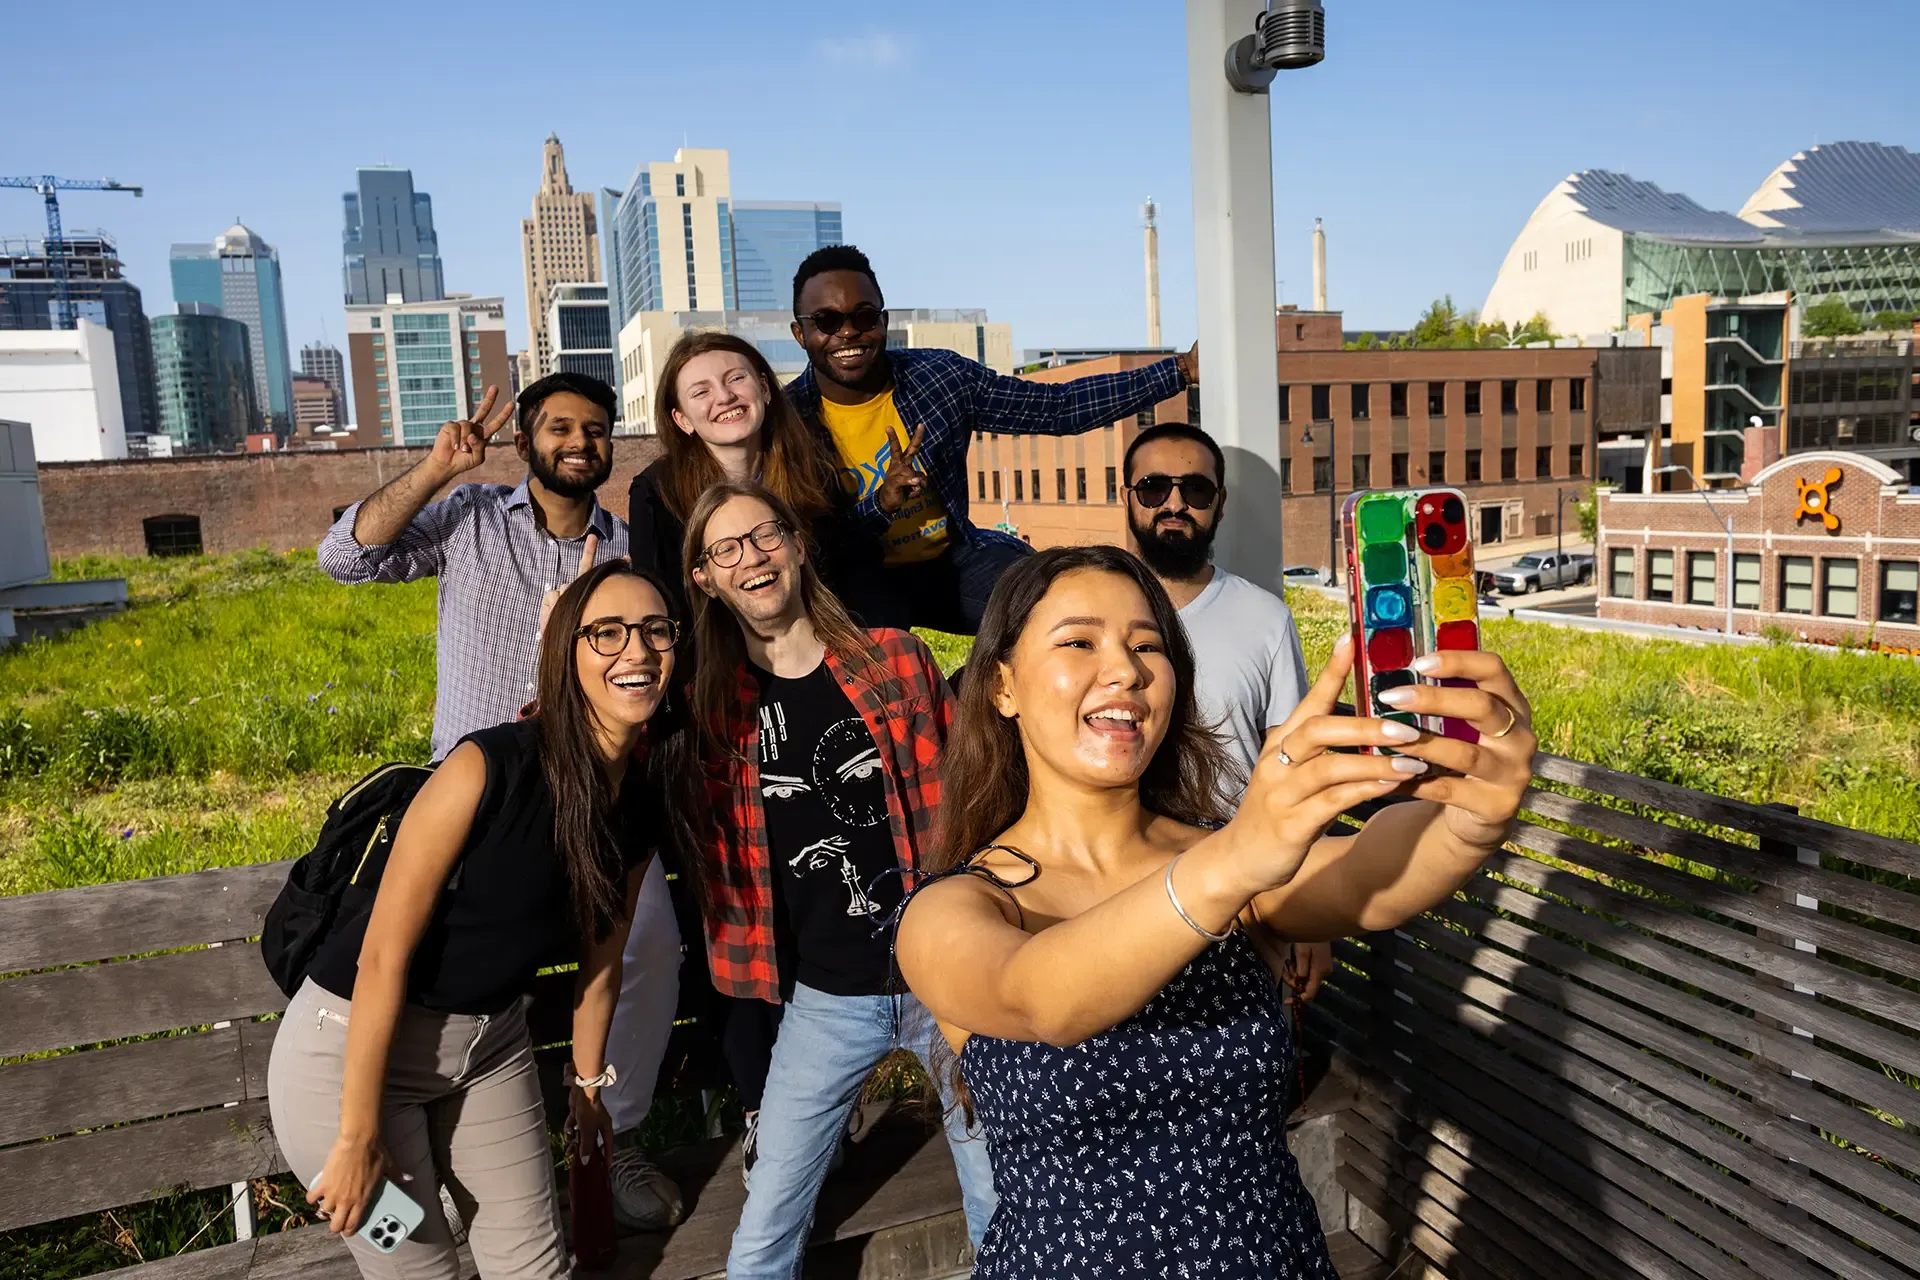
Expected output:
(349, 1183)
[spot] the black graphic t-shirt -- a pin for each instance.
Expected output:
(823, 786)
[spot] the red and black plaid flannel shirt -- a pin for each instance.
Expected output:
(910, 729)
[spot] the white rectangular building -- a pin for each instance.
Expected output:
(65, 384)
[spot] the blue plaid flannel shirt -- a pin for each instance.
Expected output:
(954, 397)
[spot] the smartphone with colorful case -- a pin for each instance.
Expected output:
(1410, 593)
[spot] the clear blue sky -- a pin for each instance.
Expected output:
(987, 154)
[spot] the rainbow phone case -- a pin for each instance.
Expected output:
(1410, 592)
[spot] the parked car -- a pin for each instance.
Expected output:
(1305, 575)
(1543, 571)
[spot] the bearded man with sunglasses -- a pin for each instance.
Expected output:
(899, 423)
(1248, 671)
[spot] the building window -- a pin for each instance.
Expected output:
(1286, 404)
(172, 535)
(1113, 485)
(1840, 588)
(1542, 461)
(1576, 459)
(1473, 398)
(1080, 483)
(1397, 400)
(1659, 575)
(1436, 399)
(1286, 475)
(1322, 403)
(1700, 577)
(983, 486)
(1509, 463)
(1796, 584)
(1473, 466)
(1019, 486)
(1322, 474)
(1543, 395)
(1193, 406)
(1509, 396)
(1060, 484)
(1399, 479)
(1437, 466)
(1746, 581)
(996, 486)
(1577, 394)
(373, 322)
(1620, 573)
(1361, 400)
(1899, 590)
(1362, 470)
(1035, 473)
(1144, 418)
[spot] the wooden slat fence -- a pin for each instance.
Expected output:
(1664, 1034)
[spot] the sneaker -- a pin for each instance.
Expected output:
(749, 1145)
(644, 1199)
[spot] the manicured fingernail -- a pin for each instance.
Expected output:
(1397, 732)
(1407, 764)
(1395, 697)
(1426, 662)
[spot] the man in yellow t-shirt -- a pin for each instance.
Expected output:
(899, 422)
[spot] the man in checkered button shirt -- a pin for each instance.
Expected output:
(498, 552)
(899, 422)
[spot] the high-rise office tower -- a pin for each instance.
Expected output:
(323, 361)
(204, 378)
(581, 327)
(420, 365)
(560, 244)
(239, 275)
(389, 244)
(676, 240)
(29, 294)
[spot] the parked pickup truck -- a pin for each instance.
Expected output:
(1542, 571)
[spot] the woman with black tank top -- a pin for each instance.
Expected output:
(406, 1053)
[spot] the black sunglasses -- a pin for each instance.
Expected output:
(865, 319)
(1154, 490)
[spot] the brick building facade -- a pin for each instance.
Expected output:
(238, 501)
(1835, 563)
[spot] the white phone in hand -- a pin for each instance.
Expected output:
(391, 1218)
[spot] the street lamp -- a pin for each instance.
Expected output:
(1701, 490)
(1333, 500)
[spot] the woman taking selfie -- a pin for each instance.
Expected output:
(405, 1055)
(1124, 1044)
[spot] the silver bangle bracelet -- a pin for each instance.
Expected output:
(1191, 922)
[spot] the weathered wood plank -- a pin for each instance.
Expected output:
(1831, 933)
(1593, 900)
(304, 1252)
(1883, 852)
(43, 1181)
(52, 1096)
(1882, 901)
(132, 917)
(68, 1007)
(1503, 1129)
(1430, 1226)
(1558, 1034)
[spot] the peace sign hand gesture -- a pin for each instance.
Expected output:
(901, 483)
(461, 446)
(553, 597)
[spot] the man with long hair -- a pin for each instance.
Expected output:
(1248, 671)
(498, 552)
(820, 742)
(900, 420)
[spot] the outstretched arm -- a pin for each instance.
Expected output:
(1067, 408)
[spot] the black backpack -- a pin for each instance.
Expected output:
(340, 876)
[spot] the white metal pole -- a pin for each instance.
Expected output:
(1233, 260)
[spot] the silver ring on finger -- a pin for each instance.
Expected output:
(1283, 757)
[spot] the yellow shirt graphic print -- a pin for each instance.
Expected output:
(919, 531)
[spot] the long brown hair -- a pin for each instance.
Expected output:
(793, 459)
(984, 772)
(583, 799)
(716, 632)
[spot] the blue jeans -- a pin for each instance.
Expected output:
(826, 1047)
(947, 593)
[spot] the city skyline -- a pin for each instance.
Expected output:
(1046, 144)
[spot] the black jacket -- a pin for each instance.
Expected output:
(655, 535)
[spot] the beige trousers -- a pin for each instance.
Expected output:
(462, 1109)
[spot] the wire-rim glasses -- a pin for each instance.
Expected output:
(724, 553)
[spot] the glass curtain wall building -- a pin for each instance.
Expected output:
(239, 273)
(29, 296)
(203, 379)
(389, 246)
(770, 240)
(580, 323)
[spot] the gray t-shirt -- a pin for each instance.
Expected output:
(1250, 674)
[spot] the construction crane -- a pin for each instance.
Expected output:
(48, 186)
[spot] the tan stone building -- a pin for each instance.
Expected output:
(1826, 545)
(1512, 428)
(560, 244)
